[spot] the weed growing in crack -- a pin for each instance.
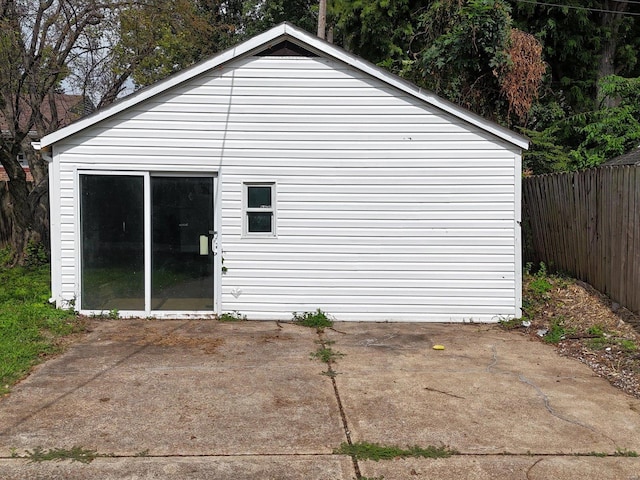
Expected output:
(317, 319)
(75, 454)
(591, 454)
(142, 453)
(623, 452)
(326, 354)
(376, 452)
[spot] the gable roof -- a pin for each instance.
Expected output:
(265, 41)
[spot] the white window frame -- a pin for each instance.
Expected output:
(246, 210)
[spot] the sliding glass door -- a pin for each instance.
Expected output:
(171, 226)
(182, 226)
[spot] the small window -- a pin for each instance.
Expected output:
(259, 209)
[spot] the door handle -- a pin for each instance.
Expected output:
(214, 243)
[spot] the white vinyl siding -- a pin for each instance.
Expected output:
(387, 208)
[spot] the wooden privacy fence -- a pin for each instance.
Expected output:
(588, 224)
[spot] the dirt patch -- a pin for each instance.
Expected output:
(148, 335)
(207, 345)
(586, 325)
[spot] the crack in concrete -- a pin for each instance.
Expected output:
(183, 455)
(528, 474)
(545, 399)
(494, 359)
(549, 408)
(443, 393)
(343, 416)
(323, 454)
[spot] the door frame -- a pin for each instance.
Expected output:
(182, 171)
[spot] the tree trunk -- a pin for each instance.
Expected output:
(27, 207)
(610, 23)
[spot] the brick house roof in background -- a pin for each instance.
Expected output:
(68, 108)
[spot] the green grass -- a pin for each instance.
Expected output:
(376, 452)
(29, 325)
(557, 331)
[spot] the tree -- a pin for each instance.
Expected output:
(37, 40)
(584, 41)
(586, 139)
(465, 50)
(378, 30)
(97, 47)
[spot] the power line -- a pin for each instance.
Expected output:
(588, 9)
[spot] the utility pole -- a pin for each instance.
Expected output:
(322, 19)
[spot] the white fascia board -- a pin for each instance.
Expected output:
(306, 40)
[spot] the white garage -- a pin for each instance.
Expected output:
(282, 175)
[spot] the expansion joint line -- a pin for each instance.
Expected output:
(332, 375)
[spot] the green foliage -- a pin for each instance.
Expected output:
(6, 256)
(326, 354)
(536, 290)
(75, 454)
(557, 331)
(35, 255)
(29, 325)
(595, 454)
(597, 330)
(540, 286)
(623, 452)
(376, 452)
(379, 30)
(465, 50)
(585, 140)
(234, 316)
(627, 345)
(317, 319)
(258, 15)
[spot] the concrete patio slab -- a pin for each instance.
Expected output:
(186, 468)
(511, 468)
(193, 387)
(488, 392)
(208, 400)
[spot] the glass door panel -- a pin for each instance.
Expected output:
(112, 242)
(181, 256)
